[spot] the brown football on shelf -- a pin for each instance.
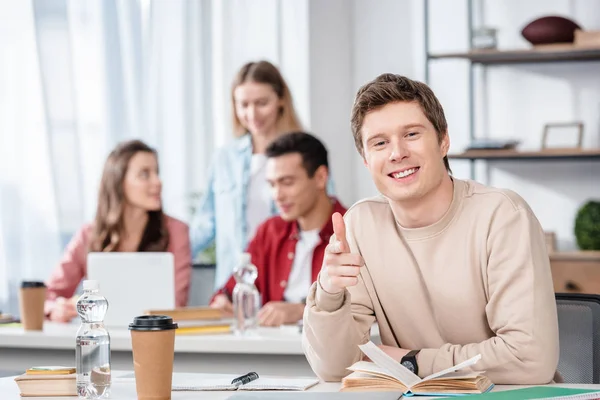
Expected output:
(550, 29)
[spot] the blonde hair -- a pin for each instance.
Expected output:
(267, 73)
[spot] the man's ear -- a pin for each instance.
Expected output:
(445, 144)
(321, 176)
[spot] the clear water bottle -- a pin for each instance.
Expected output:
(246, 299)
(93, 345)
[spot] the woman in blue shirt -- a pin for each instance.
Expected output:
(237, 197)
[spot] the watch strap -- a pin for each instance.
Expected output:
(411, 357)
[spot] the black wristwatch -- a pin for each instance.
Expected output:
(410, 361)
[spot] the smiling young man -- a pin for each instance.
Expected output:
(448, 268)
(288, 249)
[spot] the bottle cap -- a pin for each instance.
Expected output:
(245, 258)
(90, 285)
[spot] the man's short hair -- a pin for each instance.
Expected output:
(392, 88)
(311, 149)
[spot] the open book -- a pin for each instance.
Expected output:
(385, 373)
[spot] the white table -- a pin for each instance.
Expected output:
(275, 351)
(124, 389)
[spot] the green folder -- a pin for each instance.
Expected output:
(540, 392)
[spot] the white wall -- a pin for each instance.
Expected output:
(330, 66)
(383, 41)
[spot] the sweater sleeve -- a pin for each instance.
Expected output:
(335, 324)
(521, 308)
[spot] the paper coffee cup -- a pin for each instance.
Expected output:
(153, 344)
(32, 296)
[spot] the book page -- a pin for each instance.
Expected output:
(371, 368)
(464, 364)
(393, 367)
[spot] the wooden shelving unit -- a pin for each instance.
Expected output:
(515, 155)
(538, 54)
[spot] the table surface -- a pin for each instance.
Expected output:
(124, 389)
(282, 340)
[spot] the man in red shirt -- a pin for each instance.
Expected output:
(288, 249)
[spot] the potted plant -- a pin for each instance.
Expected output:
(587, 226)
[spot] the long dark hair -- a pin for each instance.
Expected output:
(108, 226)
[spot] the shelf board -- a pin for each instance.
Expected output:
(575, 256)
(538, 54)
(547, 154)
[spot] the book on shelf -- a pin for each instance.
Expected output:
(47, 381)
(384, 373)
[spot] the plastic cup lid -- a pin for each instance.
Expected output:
(32, 284)
(152, 323)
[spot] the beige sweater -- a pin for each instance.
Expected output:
(477, 281)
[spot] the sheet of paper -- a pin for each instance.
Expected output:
(190, 381)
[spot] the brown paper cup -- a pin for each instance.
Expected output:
(153, 354)
(31, 306)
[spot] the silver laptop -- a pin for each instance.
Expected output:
(133, 283)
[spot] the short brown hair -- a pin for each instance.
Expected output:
(391, 88)
(267, 73)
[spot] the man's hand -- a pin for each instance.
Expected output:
(340, 267)
(221, 302)
(276, 313)
(63, 310)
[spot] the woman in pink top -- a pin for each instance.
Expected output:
(129, 218)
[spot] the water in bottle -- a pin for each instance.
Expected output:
(246, 299)
(92, 345)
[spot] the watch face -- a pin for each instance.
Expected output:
(409, 366)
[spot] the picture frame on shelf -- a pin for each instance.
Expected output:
(567, 135)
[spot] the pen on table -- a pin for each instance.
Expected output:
(244, 379)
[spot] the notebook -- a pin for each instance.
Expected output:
(191, 382)
(541, 392)
(385, 373)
